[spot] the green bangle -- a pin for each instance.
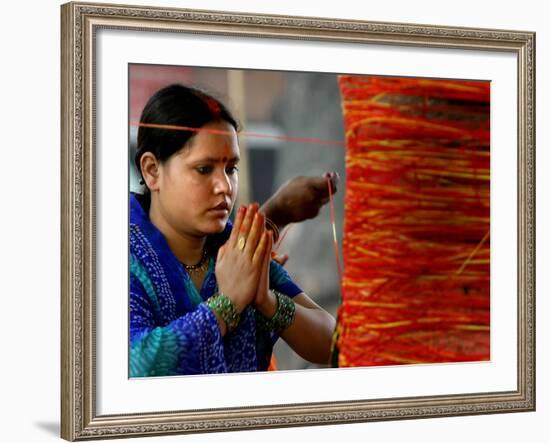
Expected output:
(263, 323)
(284, 315)
(222, 305)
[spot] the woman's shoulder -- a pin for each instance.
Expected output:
(146, 241)
(137, 208)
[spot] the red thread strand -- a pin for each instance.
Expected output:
(287, 139)
(335, 239)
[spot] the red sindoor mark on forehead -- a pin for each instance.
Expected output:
(220, 159)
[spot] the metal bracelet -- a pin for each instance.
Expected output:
(273, 227)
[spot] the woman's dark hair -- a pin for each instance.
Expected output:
(176, 105)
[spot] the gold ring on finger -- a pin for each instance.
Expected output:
(241, 243)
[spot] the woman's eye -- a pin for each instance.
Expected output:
(204, 169)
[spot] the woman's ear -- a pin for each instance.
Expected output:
(150, 170)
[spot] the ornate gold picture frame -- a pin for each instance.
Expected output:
(81, 417)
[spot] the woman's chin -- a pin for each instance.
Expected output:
(213, 222)
(216, 226)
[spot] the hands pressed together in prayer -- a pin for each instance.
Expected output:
(242, 266)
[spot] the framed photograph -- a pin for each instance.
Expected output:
(423, 251)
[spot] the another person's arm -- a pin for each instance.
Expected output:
(299, 199)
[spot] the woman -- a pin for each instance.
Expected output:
(205, 297)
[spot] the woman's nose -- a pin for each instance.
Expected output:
(223, 183)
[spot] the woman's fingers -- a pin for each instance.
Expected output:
(254, 235)
(239, 218)
(246, 225)
(268, 249)
(267, 259)
(259, 253)
(240, 230)
(262, 261)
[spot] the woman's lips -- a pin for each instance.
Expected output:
(222, 209)
(219, 210)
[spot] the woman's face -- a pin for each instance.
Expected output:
(198, 185)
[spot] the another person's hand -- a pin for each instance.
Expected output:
(242, 258)
(299, 199)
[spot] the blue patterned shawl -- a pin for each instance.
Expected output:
(172, 331)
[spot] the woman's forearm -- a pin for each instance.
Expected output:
(310, 335)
